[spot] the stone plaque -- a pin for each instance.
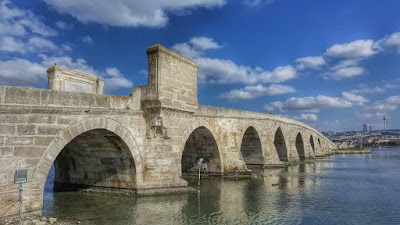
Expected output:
(74, 86)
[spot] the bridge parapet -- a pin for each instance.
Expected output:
(11, 95)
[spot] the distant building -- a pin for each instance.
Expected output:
(370, 129)
(365, 127)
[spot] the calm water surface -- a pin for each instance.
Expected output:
(352, 189)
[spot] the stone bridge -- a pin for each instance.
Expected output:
(141, 142)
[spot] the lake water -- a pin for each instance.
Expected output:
(342, 189)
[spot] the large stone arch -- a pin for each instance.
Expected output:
(280, 144)
(251, 147)
(68, 134)
(201, 123)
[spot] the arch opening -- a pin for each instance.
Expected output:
(96, 158)
(280, 145)
(201, 144)
(300, 147)
(312, 143)
(251, 148)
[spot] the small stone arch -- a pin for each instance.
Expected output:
(280, 145)
(312, 143)
(300, 147)
(203, 124)
(73, 131)
(251, 147)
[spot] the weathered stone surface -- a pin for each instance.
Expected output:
(17, 141)
(28, 129)
(6, 152)
(7, 129)
(42, 118)
(49, 129)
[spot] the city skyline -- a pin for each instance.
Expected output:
(332, 65)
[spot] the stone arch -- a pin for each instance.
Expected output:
(251, 147)
(300, 147)
(312, 143)
(280, 145)
(204, 126)
(81, 127)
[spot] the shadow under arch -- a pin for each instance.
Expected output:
(204, 124)
(312, 143)
(201, 143)
(109, 127)
(280, 145)
(300, 147)
(251, 148)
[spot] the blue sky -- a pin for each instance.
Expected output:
(334, 65)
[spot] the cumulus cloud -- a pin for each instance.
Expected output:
(87, 40)
(307, 117)
(311, 62)
(314, 104)
(355, 49)
(224, 71)
(196, 47)
(251, 92)
(114, 79)
(33, 44)
(355, 99)
(18, 22)
(389, 104)
(128, 13)
(21, 71)
(365, 89)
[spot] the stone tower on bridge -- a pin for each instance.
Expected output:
(141, 143)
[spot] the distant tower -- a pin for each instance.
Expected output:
(384, 123)
(370, 129)
(365, 127)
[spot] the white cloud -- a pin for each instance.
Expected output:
(187, 50)
(365, 89)
(18, 22)
(114, 79)
(369, 115)
(87, 40)
(225, 71)
(33, 44)
(128, 13)
(21, 71)
(311, 62)
(355, 99)
(347, 72)
(389, 104)
(64, 26)
(251, 92)
(307, 117)
(257, 3)
(355, 49)
(315, 104)
(345, 69)
(196, 47)
(204, 43)
(388, 42)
